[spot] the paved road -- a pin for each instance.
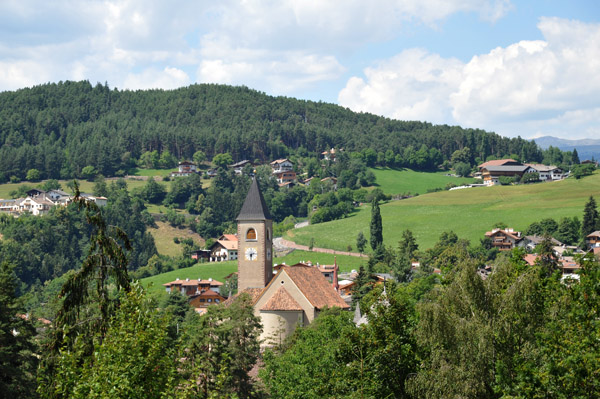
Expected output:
(289, 244)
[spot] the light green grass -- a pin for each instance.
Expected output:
(469, 213)
(345, 263)
(400, 181)
(84, 185)
(164, 235)
(152, 172)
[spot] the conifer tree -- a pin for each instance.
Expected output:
(575, 157)
(376, 226)
(591, 221)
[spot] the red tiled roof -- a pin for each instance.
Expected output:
(315, 287)
(229, 245)
(213, 283)
(495, 162)
(281, 300)
(530, 259)
(229, 237)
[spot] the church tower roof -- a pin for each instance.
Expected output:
(254, 207)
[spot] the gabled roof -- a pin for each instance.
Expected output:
(497, 162)
(281, 300)
(594, 234)
(278, 161)
(228, 237)
(506, 168)
(542, 168)
(238, 164)
(254, 207)
(229, 245)
(317, 290)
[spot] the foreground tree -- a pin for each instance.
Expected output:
(17, 349)
(221, 347)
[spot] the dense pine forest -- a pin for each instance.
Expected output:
(61, 128)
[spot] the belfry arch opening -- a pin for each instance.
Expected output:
(251, 235)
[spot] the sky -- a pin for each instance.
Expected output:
(526, 68)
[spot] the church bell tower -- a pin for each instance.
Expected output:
(255, 241)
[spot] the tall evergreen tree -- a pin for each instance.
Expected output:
(575, 157)
(376, 226)
(591, 221)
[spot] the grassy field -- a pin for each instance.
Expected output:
(84, 185)
(219, 271)
(151, 172)
(164, 235)
(399, 181)
(469, 213)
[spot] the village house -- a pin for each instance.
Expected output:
(238, 167)
(547, 173)
(283, 172)
(185, 168)
(329, 155)
(593, 240)
(491, 174)
(200, 293)
(531, 242)
(504, 239)
(295, 294)
(225, 248)
(193, 287)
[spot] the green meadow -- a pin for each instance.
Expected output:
(468, 212)
(400, 181)
(219, 271)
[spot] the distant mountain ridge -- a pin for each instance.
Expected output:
(586, 148)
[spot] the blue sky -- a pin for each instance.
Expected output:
(519, 68)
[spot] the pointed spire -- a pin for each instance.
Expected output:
(254, 207)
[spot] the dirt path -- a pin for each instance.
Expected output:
(290, 244)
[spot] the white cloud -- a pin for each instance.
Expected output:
(413, 85)
(527, 88)
(168, 78)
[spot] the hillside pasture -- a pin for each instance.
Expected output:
(468, 212)
(401, 181)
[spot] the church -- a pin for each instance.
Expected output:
(295, 294)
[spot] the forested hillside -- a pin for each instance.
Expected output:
(60, 128)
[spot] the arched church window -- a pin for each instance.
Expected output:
(251, 234)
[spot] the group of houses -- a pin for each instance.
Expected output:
(38, 202)
(506, 239)
(283, 169)
(491, 171)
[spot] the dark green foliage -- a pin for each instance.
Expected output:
(591, 220)
(462, 169)
(18, 362)
(361, 242)
(220, 348)
(544, 226)
(376, 225)
(154, 192)
(62, 128)
(569, 231)
(530, 178)
(370, 361)
(582, 170)
(575, 157)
